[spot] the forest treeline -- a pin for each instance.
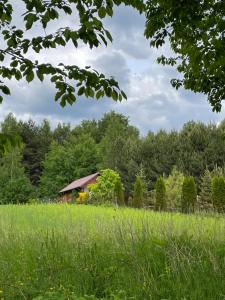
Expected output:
(48, 159)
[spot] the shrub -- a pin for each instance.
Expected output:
(106, 188)
(189, 195)
(160, 194)
(138, 196)
(218, 193)
(82, 198)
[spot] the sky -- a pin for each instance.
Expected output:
(152, 104)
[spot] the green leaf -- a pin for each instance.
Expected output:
(1, 99)
(81, 91)
(5, 90)
(108, 34)
(124, 95)
(58, 95)
(2, 57)
(18, 75)
(114, 95)
(30, 76)
(40, 75)
(14, 64)
(102, 12)
(98, 94)
(109, 11)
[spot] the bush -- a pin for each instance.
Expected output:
(82, 198)
(189, 195)
(218, 193)
(108, 188)
(138, 197)
(160, 194)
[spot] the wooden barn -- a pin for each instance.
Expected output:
(79, 185)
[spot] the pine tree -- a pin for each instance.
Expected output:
(160, 196)
(189, 195)
(205, 197)
(138, 197)
(218, 193)
(119, 193)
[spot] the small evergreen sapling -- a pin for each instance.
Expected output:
(189, 195)
(160, 194)
(119, 193)
(218, 193)
(138, 197)
(205, 197)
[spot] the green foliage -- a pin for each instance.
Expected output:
(14, 185)
(119, 192)
(218, 193)
(36, 140)
(159, 152)
(108, 188)
(112, 142)
(70, 80)
(173, 184)
(194, 30)
(8, 141)
(138, 195)
(76, 158)
(189, 195)
(119, 146)
(145, 184)
(160, 194)
(205, 196)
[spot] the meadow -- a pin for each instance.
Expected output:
(86, 252)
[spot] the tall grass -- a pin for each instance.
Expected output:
(86, 252)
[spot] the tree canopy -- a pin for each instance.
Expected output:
(195, 31)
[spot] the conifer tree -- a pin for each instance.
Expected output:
(160, 196)
(145, 184)
(189, 195)
(218, 193)
(174, 189)
(119, 192)
(205, 197)
(138, 197)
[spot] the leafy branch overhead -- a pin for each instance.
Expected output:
(195, 30)
(90, 31)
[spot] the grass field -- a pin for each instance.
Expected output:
(86, 252)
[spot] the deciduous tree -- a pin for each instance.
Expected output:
(194, 30)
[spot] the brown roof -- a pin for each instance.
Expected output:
(79, 183)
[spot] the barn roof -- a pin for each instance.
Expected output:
(79, 183)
